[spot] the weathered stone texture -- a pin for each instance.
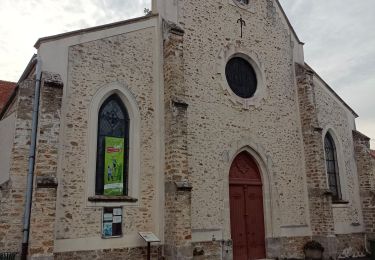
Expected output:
(286, 247)
(281, 247)
(351, 245)
(342, 246)
(338, 120)
(202, 123)
(366, 176)
(13, 193)
(128, 60)
(42, 223)
(215, 122)
(321, 215)
(177, 202)
(115, 254)
(210, 251)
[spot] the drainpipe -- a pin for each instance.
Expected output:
(30, 174)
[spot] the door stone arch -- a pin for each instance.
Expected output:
(246, 208)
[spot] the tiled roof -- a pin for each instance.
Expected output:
(6, 90)
(372, 152)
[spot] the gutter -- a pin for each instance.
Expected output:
(30, 175)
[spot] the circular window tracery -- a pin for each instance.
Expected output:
(241, 77)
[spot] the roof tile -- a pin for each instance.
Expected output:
(6, 90)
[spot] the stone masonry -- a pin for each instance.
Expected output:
(366, 175)
(93, 66)
(216, 123)
(43, 214)
(191, 127)
(320, 201)
(12, 194)
(113, 254)
(177, 179)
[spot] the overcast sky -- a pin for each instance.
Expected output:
(339, 37)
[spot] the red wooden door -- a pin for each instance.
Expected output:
(246, 209)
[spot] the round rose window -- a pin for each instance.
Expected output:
(241, 77)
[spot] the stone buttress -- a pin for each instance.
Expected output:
(12, 193)
(366, 176)
(177, 179)
(43, 212)
(319, 197)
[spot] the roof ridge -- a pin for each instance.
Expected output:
(332, 90)
(93, 28)
(288, 22)
(9, 82)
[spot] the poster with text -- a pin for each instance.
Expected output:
(113, 166)
(107, 229)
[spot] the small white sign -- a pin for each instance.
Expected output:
(107, 217)
(149, 237)
(116, 219)
(117, 211)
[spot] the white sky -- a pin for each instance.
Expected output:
(339, 37)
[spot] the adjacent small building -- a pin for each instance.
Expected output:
(6, 91)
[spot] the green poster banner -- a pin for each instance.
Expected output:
(113, 166)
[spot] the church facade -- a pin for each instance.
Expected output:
(200, 123)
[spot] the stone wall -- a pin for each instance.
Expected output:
(177, 175)
(113, 254)
(43, 212)
(337, 120)
(351, 245)
(205, 126)
(215, 122)
(321, 113)
(12, 193)
(366, 176)
(286, 247)
(210, 251)
(126, 60)
(320, 204)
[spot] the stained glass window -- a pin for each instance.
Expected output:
(241, 77)
(332, 167)
(113, 126)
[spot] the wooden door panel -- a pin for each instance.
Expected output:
(255, 222)
(237, 212)
(246, 209)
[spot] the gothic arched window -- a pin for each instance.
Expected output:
(332, 167)
(112, 148)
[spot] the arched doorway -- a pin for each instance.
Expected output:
(246, 209)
